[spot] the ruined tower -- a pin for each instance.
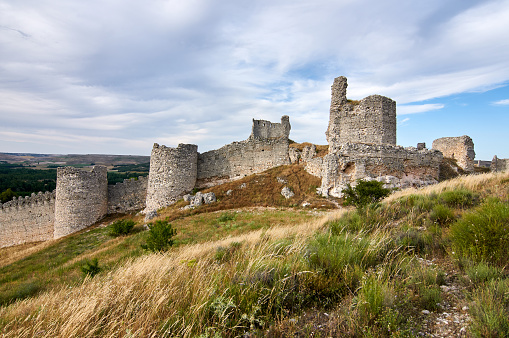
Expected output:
(371, 120)
(81, 199)
(172, 174)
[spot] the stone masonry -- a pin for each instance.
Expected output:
(172, 174)
(266, 147)
(81, 199)
(127, 196)
(371, 120)
(362, 145)
(460, 148)
(499, 164)
(28, 219)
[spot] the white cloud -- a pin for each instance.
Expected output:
(415, 109)
(501, 103)
(178, 71)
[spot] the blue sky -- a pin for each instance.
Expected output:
(113, 77)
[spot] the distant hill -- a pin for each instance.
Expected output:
(72, 159)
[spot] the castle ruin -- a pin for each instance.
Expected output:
(362, 145)
(361, 138)
(460, 148)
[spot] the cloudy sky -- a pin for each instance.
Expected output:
(113, 77)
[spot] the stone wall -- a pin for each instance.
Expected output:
(172, 174)
(240, 159)
(127, 196)
(267, 130)
(28, 219)
(371, 120)
(81, 199)
(394, 165)
(460, 148)
(266, 148)
(499, 164)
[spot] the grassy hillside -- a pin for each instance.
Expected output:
(430, 261)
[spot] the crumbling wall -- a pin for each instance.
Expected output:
(268, 130)
(394, 165)
(371, 120)
(460, 148)
(28, 219)
(499, 164)
(240, 159)
(172, 174)
(81, 199)
(266, 148)
(127, 196)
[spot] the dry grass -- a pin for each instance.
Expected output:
(321, 150)
(137, 297)
(12, 254)
(482, 183)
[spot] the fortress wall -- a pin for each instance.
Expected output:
(402, 167)
(371, 120)
(172, 174)
(81, 199)
(127, 196)
(240, 159)
(268, 130)
(28, 219)
(499, 164)
(460, 148)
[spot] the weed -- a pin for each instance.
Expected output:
(441, 215)
(226, 216)
(159, 236)
(364, 193)
(490, 310)
(91, 267)
(121, 227)
(483, 234)
(460, 198)
(482, 272)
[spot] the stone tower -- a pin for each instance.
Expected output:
(81, 199)
(172, 173)
(371, 120)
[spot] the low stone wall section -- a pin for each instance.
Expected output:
(402, 167)
(127, 196)
(81, 199)
(240, 159)
(172, 174)
(28, 219)
(499, 164)
(460, 148)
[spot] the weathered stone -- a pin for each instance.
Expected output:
(209, 197)
(421, 146)
(81, 199)
(460, 148)
(499, 164)
(362, 145)
(308, 153)
(150, 215)
(287, 192)
(127, 196)
(371, 120)
(294, 155)
(172, 174)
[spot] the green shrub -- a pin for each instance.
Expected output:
(226, 216)
(91, 268)
(159, 236)
(490, 310)
(460, 198)
(483, 234)
(373, 298)
(364, 193)
(442, 215)
(482, 272)
(121, 227)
